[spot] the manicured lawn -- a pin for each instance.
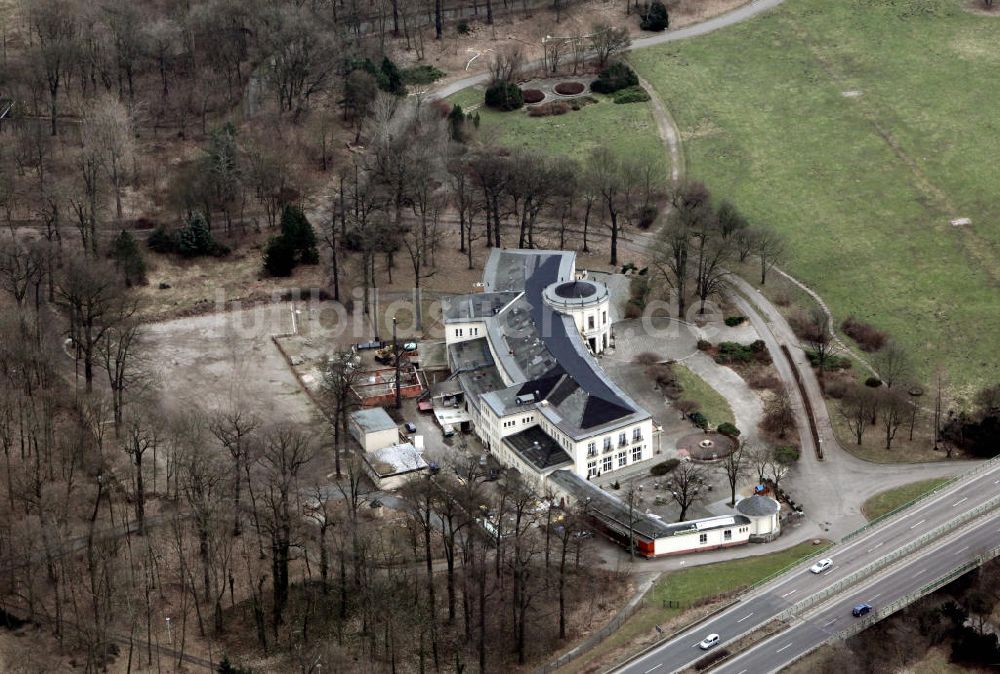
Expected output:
(687, 588)
(629, 129)
(889, 500)
(712, 404)
(860, 129)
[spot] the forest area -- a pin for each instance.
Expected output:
(135, 537)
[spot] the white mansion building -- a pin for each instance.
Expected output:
(522, 352)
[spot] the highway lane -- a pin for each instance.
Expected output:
(834, 617)
(761, 606)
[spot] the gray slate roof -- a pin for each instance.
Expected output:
(373, 420)
(757, 506)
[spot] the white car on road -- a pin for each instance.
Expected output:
(708, 642)
(821, 566)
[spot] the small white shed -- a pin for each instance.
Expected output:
(373, 428)
(765, 522)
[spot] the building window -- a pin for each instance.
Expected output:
(607, 444)
(622, 459)
(636, 454)
(703, 538)
(621, 440)
(604, 318)
(473, 331)
(636, 435)
(591, 468)
(727, 535)
(458, 332)
(590, 322)
(606, 464)
(591, 449)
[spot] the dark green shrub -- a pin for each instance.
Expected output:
(654, 17)
(463, 28)
(634, 94)
(728, 430)
(295, 245)
(699, 420)
(422, 74)
(456, 123)
(392, 78)
(162, 241)
(786, 455)
(227, 667)
(647, 216)
(704, 345)
(733, 321)
(832, 362)
(505, 96)
(195, 240)
(615, 77)
(279, 257)
(873, 382)
(733, 352)
(664, 467)
(128, 258)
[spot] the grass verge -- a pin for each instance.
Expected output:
(669, 603)
(711, 403)
(889, 500)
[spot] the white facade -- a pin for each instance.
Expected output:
(710, 533)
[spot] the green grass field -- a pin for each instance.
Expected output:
(712, 403)
(687, 588)
(629, 129)
(889, 500)
(860, 129)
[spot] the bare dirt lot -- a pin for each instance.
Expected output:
(216, 360)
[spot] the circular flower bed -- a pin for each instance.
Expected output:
(533, 96)
(569, 88)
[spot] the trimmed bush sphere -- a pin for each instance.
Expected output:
(532, 96)
(504, 96)
(569, 88)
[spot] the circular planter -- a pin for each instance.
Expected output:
(533, 96)
(707, 446)
(569, 88)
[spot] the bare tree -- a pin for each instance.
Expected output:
(856, 409)
(339, 380)
(892, 364)
(236, 428)
(769, 247)
(687, 486)
(736, 465)
(286, 451)
(54, 23)
(894, 408)
(94, 297)
(607, 42)
(819, 336)
(692, 212)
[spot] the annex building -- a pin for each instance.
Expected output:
(523, 355)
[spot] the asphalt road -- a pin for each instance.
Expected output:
(834, 617)
(764, 604)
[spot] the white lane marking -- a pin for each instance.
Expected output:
(918, 524)
(877, 545)
(961, 550)
(917, 573)
(996, 481)
(745, 617)
(831, 622)
(783, 648)
(654, 668)
(742, 671)
(961, 500)
(788, 593)
(876, 596)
